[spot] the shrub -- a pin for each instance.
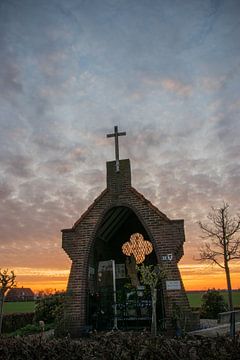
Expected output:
(119, 346)
(27, 330)
(212, 304)
(30, 329)
(12, 322)
(50, 308)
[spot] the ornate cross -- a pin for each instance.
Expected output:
(116, 134)
(138, 247)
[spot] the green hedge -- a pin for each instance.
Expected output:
(50, 308)
(120, 346)
(12, 322)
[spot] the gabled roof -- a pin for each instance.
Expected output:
(133, 190)
(20, 292)
(126, 174)
(148, 202)
(86, 212)
(89, 208)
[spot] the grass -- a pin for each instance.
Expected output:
(195, 298)
(18, 307)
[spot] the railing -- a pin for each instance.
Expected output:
(134, 309)
(229, 317)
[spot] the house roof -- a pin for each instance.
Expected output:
(20, 292)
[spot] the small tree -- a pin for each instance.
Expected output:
(222, 230)
(7, 282)
(213, 303)
(150, 276)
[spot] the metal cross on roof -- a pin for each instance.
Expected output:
(116, 134)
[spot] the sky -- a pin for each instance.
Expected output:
(166, 72)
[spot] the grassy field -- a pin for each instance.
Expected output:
(195, 298)
(18, 306)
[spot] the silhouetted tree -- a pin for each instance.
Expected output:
(7, 282)
(224, 244)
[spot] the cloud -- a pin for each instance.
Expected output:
(158, 84)
(176, 87)
(10, 77)
(19, 166)
(213, 84)
(5, 190)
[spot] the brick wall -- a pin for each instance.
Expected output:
(167, 236)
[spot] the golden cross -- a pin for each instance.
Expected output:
(138, 247)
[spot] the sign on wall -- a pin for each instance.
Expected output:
(173, 285)
(167, 257)
(105, 273)
(120, 271)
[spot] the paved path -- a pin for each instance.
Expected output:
(216, 330)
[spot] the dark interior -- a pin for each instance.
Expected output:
(116, 228)
(118, 225)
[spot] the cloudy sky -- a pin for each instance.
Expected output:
(167, 72)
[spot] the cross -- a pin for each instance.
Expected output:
(116, 134)
(138, 247)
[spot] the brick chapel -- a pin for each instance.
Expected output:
(123, 228)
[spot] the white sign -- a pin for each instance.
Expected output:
(167, 257)
(173, 285)
(105, 266)
(91, 271)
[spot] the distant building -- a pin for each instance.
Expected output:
(20, 294)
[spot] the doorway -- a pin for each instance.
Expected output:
(133, 299)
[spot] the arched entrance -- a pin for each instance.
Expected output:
(133, 299)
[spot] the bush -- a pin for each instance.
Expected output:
(12, 322)
(27, 330)
(213, 303)
(50, 308)
(119, 346)
(30, 329)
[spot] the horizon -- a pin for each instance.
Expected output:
(52, 291)
(42, 278)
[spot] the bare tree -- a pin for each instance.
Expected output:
(222, 230)
(7, 282)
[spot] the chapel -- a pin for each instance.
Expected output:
(119, 230)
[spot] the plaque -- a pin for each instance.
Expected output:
(105, 273)
(120, 271)
(167, 257)
(173, 285)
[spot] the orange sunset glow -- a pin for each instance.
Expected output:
(195, 277)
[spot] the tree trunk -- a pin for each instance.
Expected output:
(1, 312)
(229, 286)
(226, 259)
(154, 312)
